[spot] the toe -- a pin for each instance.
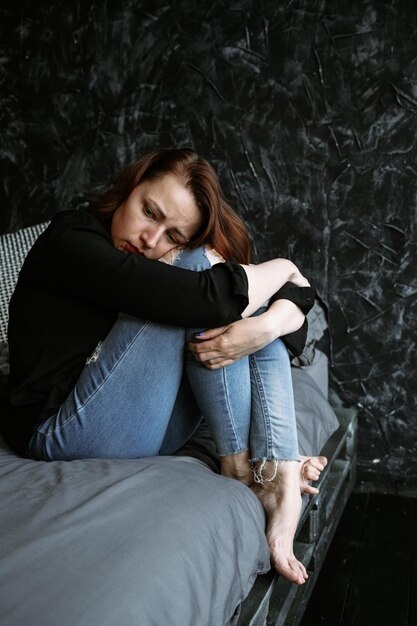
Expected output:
(309, 489)
(289, 567)
(316, 464)
(299, 569)
(311, 473)
(303, 571)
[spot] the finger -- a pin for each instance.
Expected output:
(205, 347)
(309, 489)
(216, 352)
(211, 333)
(224, 359)
(204, 357)
(218, 364)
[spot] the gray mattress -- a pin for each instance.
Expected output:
(156, 541)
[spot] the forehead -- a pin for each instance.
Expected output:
(173, 201)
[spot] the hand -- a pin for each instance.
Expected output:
(223, 346)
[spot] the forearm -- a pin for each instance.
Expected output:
(265, 279)
(283, 317)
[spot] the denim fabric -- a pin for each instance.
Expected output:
(250, 403)
(273, 431)
(134, 400)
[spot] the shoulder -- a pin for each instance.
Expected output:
(74, 239)
(75, 228)
(70, 220)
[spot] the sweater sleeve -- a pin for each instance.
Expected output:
(83, 263)
(303, 297)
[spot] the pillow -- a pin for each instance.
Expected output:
(13, 250)
(317, 325)
(318, 370)
(316, 420)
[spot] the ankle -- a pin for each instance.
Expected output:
(276, 477)
(265, 471)
(237, 466)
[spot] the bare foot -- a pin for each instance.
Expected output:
(237, 466)
(281, 500)
(311, 468)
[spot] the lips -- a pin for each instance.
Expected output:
(133, 249)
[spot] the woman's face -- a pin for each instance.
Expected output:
(158, 215)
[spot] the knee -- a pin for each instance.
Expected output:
(193, 259)
(198, 259)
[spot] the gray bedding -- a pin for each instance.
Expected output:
(155, 541)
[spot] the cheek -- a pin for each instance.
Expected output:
(162, 248)
(118, 223)
(125, 225)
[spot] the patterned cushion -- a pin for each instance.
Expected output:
(13, 250)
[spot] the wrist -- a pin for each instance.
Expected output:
(271, 326)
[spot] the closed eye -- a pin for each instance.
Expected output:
(157, 215)
(172, 239)
(147, 211)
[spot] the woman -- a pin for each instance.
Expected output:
(87, 382)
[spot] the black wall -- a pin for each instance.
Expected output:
(308, 110)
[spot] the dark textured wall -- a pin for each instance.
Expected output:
(308, 109)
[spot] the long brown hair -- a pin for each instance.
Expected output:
(221, 227)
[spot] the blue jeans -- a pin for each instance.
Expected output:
(142, 393)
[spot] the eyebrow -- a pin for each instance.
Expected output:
(163, 216)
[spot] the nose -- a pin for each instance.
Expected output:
(152, 235)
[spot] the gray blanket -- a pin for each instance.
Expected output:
(154, 541)
(158, 541)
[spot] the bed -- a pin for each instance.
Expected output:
(162, 540)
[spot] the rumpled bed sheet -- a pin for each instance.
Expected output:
(146, 542)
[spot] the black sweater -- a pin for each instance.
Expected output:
(70, 290)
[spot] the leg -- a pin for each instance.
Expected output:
(268, 410)
(273, 414)
(231, 434)
(123, 400)
(257, 393)
(274, 436)
(184, 420)
(223, 396)
(224, 399)
(227, 412)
